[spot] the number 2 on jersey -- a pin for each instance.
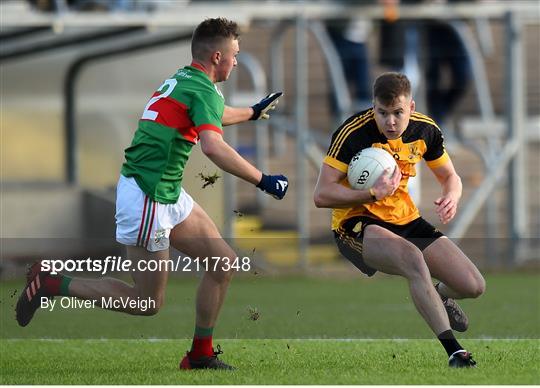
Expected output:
(151, 114)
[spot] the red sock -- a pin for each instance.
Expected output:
(201, 347)
(52, 284)
(56, 284)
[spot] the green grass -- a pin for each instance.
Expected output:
(266, 362)
(309, 315)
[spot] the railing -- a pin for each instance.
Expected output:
(300, 15)
(257, 78)
(505, 157)
(70, 98)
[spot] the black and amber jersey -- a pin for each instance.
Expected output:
(421, 139)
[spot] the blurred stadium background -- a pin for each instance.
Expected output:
(75, 76)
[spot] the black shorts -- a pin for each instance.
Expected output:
(349, 237)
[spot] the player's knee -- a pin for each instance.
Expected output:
(413, 262)
(229, 275)
(223, 271)
(150, 306)
(149, 311)
(474, 286)
(223, 276)
(477, 288)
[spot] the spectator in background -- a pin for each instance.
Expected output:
(59, 6)
(349, 37)
(447, 66)
(446, 52)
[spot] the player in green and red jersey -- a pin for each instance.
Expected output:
(153, 211)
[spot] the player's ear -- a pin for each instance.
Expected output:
(413, 106)
(216, 57)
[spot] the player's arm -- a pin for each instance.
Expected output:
(226, 158)
(330, 193)
(446, 205)
(260, 110)
(233, 116)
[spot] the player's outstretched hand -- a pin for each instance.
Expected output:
(446, 208)
(387, 184)
(261, 109)
(274, 185)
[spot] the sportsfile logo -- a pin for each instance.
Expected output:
(109, 264)
(119, 264)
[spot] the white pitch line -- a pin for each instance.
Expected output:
(261, 339)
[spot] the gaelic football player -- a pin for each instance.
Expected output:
(153, 211)
(380, 229)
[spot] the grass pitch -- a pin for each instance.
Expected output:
(266, 362)
(297, 339)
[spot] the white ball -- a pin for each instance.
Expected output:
(367, 166)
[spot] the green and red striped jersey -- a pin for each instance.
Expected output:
(179, 110)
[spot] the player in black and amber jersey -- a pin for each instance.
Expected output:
(380, 229)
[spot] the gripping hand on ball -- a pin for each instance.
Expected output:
(274, 185)
(387, 184)
(261, 109)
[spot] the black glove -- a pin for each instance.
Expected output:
(275, 185)
(260, 109)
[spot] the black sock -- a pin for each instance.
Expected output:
(449, 342)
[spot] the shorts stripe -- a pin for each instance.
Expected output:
(146, 218)
(354, 244)
(151, 224)
(139, 216)
(142, 220)
(357, 246)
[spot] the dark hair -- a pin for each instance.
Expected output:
(210, 34)
(388, 87)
